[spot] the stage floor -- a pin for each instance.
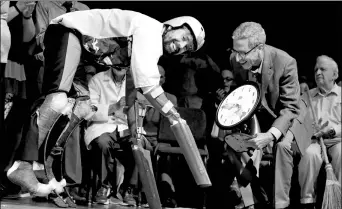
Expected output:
(28, 203)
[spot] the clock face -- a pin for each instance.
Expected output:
(237, 106)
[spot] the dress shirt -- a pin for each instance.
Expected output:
(328, 107)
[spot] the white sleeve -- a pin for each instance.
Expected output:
(147, 48)
(102, 109)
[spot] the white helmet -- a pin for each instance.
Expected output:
(195, 27)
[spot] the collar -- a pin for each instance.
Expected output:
(108, 76)
(335, 90)
(258, 70)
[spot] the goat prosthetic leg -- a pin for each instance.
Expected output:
(81, 110)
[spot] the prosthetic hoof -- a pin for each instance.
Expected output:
(70, 202)
(22, 175)
(60, 202)
(57, 186)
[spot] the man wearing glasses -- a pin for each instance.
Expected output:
(282, 116)
(228, 82)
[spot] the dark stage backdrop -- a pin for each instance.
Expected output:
(303, 29)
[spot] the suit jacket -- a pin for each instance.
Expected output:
(280, 91)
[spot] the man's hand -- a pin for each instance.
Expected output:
(27, 11)
(117, 106)
(220, 94)
(319, 127)
(22, 5)
(261, 140)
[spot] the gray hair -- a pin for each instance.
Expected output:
(252, 31)
(331, 60)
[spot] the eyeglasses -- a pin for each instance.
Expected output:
(243, 55)
(228, 79)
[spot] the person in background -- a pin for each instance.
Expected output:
(326, 103)
(107, 134)
(8, 13)
(303, 83)
(228, 84)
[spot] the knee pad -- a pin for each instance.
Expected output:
(49, 112)
(56, 101)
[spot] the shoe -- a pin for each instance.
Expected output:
(73, 191)
(116, 201)
(129, 197)
(240, 206)
(170, 203)
(102, 195)
(145, 205)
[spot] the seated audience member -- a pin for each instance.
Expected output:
(326, 102)
(108, 133)
(303, 83)
(228, 84)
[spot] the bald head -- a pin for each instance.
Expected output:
(330, 61)
(326, 72)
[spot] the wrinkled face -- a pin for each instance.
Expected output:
(325, 75)
(245, 55)
(178, 41)
(162, 75)
(228, 79)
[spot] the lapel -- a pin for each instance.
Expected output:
(267, 70)
(266, 75)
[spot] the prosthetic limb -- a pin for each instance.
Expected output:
(80, 110)
(144, 169)
(21, 173)
(182, 132)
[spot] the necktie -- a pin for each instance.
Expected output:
(255, 77)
